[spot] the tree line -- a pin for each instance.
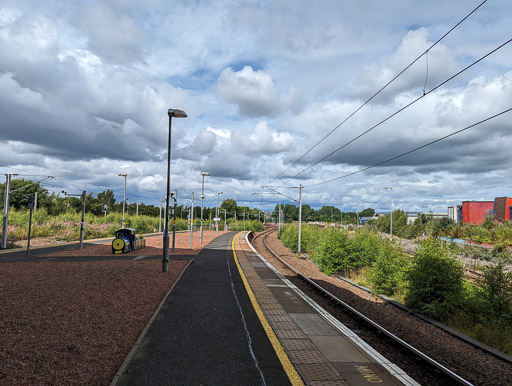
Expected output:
(327, 213)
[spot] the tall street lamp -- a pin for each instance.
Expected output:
(391, 212)
(165, 260)
(217, 216)
(124, 196)
(204, 174)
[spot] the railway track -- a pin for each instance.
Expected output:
(417, 364)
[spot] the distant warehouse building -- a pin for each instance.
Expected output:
(455, 213)
(474, 212)
(411, 217)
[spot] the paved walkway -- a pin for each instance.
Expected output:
(207, 332)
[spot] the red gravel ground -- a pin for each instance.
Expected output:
(75, 322)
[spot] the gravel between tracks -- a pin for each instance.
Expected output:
(75, 322)
(467, 361)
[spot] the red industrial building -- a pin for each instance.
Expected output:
(474, 212)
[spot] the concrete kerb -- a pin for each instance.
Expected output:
(145, 330)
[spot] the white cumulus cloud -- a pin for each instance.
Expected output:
(254, 93)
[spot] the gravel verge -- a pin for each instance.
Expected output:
(74, 323)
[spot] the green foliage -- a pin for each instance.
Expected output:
(19, 189)
(497, 290)
(400, 227)
(364, 248)
(368, 212)
(291, 212)
(229, 205)
(495, 335)
(290, 237)
(308, 213)
(435, 280)
(387, 274)
(253, 226)
(329, 214)
(332, 253)
(498, 233)
(488, 222)
(67, 225)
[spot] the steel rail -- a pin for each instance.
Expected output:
(390, 335)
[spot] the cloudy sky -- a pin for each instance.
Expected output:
(85, 87)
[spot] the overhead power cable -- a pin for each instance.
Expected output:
(398, 111)
(380, 90)
(33, 183)
(284, 195)
(411, 151)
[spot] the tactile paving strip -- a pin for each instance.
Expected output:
(327, 383)
(307, 356)
(284, 325)
(298, 344)
(290, 334)
(318, 371)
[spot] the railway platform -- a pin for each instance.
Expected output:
(232, 319)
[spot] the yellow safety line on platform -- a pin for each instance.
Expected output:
(288, 367)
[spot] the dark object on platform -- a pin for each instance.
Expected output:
(126, 241)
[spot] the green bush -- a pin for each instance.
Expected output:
(310, 236)
(435, 280)
(332, 254)
(387, 274)
(364, 248)
(497, 289)
(289, 237)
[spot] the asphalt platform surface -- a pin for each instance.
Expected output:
(207, 332)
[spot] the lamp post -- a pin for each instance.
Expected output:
(124, 196)
(165, 260)
(204, 174)
(217, 216)
(391, 210)
(300, 216)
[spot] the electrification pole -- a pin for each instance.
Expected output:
(192, 220)
(174, 195)
(160, 217)
(300, 213)
(6, 210)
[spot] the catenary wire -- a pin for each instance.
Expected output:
(398, 111)
(379, 91)
(413, 150)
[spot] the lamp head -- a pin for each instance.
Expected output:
(206, 174)
(175, 113)
(122, 174)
